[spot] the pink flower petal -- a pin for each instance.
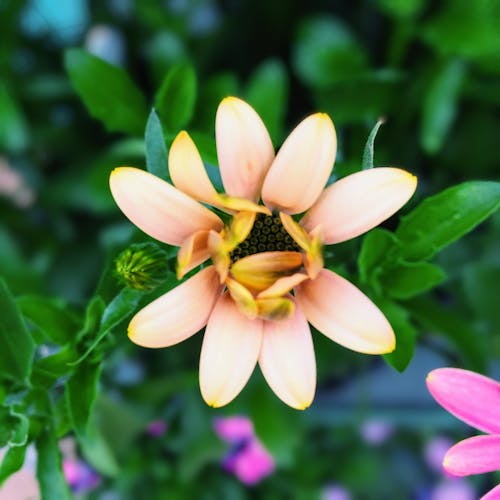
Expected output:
(234, 429)
(253, 463)
(244, 148)
(187, 170)
(471, 397)
(157, 208)
(493, 494)
(475, 455)
(302, 166)
(343, 313)
(229, 352)
(287, 360)
(171, 318)
(359, 202)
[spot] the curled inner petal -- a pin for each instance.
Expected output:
(192, 252)
(259, 271)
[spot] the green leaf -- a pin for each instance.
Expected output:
(93, 315)
(374, 254)
(48, 471)
(12, 461)
(176, 98)
(47, 370)
(13, 129)
(156, 149)
(117, 311)
(51, 316)
(440, 105)
(14, 427)
(405, 332)
(267, 92)
(107, 91)
(443, 218)
(326, 52)
(407, 279)
(81, 390)
(16, 353)
(369, 146)
(19, 429)
(456, 328)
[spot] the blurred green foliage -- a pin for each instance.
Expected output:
(76, 101)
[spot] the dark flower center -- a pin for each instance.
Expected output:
(267, 235)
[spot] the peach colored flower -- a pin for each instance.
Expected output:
(266, 280)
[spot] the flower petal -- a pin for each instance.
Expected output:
(260, 270)
(302, 166)
(287, 360)
(229, 352)
(187, 170)
(359, 202)
(493, 494)
(343, 313)
(171, 318)
(282, 286)
(244, 148)
(471, 397)
(157, 208)
(192, 252)
(473, 456)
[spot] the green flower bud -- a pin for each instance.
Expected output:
(142, 266)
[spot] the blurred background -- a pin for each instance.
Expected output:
(431, 69)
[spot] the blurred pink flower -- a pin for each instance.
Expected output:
(80, 476)
(156, 428)
(247, 459)
(475, 399)
(234, 429)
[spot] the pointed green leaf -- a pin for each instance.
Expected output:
(156, 149)
(405, 332)
(370, 145)
(81, 390)
(176, 98)
(17, 346)
(107, 91)
(443, 218)
(49, 471)
(12, 461)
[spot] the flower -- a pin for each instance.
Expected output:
(475, 399)
(262, 254)
(376, 432)
(247, 459)
(80, 476)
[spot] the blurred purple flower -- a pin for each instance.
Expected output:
(453, 489)
(335, 492)
(247, 458)
(376, 432)
(435, 450)
(80, 476)
(156, 428)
